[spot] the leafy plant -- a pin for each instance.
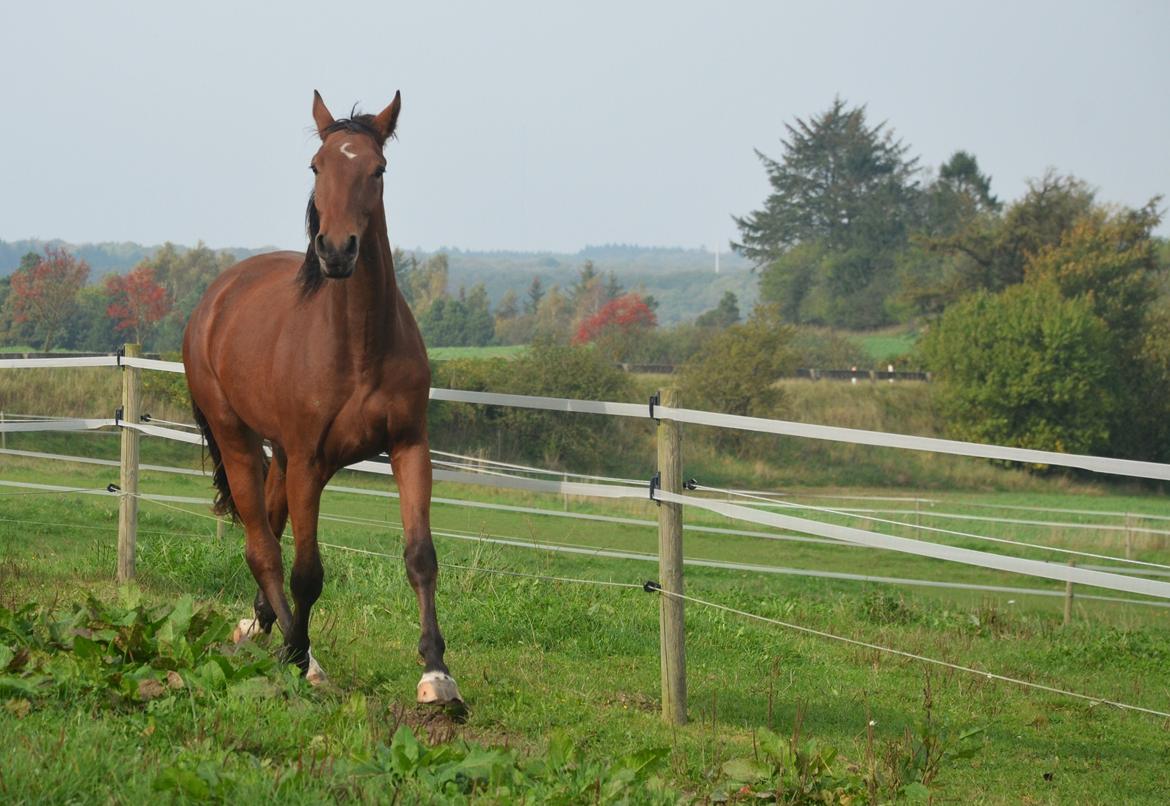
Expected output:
(459, 770)
(807, 771)
(131, 653)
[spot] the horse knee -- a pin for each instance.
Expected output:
(307, 581)
(422, 565)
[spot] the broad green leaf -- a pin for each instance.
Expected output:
(86, 649)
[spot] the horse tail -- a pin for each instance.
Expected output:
(223, 505)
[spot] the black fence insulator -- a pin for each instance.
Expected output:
(651, 586)
(145, 417)
(655, 400)
(118, 356)
(113, 488)
(655, 484)
(118, 414)
(691, 484)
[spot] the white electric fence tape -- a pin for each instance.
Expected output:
(856, 436)
(77, 361)
(602, 552)
(1123, 467)
(983, 559)
(77, 424)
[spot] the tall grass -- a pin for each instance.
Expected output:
(80, 392)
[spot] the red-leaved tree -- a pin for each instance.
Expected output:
(616, 322)
(136, 301)
(45, 295)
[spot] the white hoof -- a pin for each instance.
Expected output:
(315, 674)
(247, 628)
(438, 688)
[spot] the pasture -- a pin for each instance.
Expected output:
(549, 665)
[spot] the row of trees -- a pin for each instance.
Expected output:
(1047, 319)
(46, 302)
(593, 309)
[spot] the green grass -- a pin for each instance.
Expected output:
(492, 351)
(538, 659)
(886, 345)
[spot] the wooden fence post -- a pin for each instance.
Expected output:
(671, 622)
(128, 506)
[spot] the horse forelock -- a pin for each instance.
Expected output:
(358, 124)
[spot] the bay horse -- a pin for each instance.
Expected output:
(318, 354)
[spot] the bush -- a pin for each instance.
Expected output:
(556, 439)
(737, 370)
(1025, 368)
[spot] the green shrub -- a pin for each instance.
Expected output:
(578, 441)
(1026, 368)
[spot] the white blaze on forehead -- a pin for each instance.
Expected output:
(349, 154)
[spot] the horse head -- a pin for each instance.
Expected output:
(348, 187)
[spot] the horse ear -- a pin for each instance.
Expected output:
(321, 114)
(387, 119)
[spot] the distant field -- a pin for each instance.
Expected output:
(493, 351)
(885, 344)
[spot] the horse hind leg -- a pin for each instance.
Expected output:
(276, 506)
(244, 463)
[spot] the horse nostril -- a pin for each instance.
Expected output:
(319, 244)
(351, 246)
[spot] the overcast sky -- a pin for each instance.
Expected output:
(546, 125)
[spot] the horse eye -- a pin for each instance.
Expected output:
(381, 169)
(313, 168)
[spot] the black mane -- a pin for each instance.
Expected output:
(310, 277)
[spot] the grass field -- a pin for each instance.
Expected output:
(491, 351)
(886, 345)
(547, 665)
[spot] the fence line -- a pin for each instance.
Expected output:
(168, 501)
(668, 493)
(1124, 467)
(1059, 572)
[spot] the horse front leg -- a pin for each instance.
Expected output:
(304, 485)
(412, 471)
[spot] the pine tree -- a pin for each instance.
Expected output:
(840, 181)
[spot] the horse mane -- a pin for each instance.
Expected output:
(309, 276)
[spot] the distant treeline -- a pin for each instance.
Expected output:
(683, 281)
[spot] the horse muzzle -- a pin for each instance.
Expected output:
(337, 264)
(339, 269)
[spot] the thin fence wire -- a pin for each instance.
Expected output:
(913, 656)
